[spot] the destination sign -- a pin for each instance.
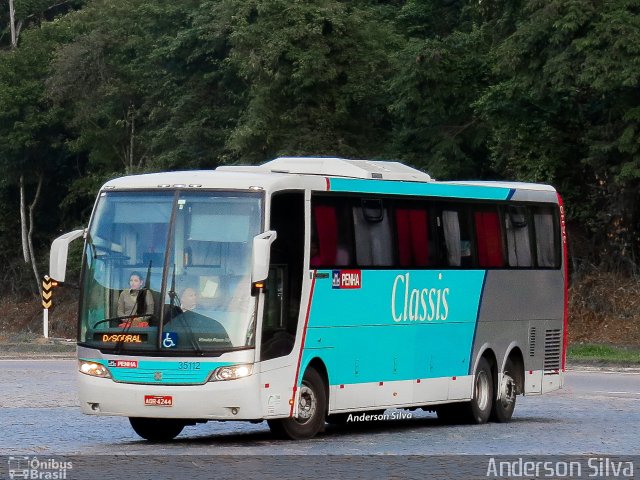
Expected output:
(120, 337)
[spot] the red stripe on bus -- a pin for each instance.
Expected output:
(328, 183)
(563, 233)
(304, 336)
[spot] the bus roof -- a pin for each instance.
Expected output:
(337, 167)
(334, 174)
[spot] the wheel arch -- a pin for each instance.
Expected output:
(485, 351)
(319, 366)
(517, 360)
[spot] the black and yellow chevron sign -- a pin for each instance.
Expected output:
(47, 291)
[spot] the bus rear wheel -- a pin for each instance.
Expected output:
(312, 407)
(479, 409)
(504, 406)
(156, 429)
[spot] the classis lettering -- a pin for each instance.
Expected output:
(414, 304)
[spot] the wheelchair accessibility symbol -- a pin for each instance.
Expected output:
(170, 339)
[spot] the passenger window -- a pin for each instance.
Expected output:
(546, 237)
(331, 234)
(457, 237)
(412, 229)
(374, 246)
(488, 238)
(518, 240)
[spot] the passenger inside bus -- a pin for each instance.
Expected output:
(131, 304)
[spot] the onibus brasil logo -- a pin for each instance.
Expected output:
(36, 468)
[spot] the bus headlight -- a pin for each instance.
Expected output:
(231, 372)
(93, 369)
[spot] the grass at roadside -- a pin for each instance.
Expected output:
(603, 353)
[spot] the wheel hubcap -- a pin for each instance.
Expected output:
(507, 391)
(307, 404)
(482, 390)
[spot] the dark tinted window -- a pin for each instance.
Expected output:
(546, 234)
(331, 233)
(488, 238)
(516, 223)
(372, 227)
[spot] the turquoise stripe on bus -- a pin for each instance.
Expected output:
(173, 373)
(394, 327)
(419, 189)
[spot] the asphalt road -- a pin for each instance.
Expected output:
(596, 414)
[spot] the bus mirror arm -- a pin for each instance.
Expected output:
(261, 253)
(59, 252)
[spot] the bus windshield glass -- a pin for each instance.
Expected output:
(170, 272)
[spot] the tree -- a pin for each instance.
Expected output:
(565, 110)
(313, 74)
(444, 67)
(26, 119)
(30, 131)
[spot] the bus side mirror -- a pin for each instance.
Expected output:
(59, 252)
(261, 253)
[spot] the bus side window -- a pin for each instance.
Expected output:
(413, 237)
(324, 241)
(451, 228)
(488, 238)
(372, 233)
(518, 240)
(547, 247)
(459, 244)
(330, 235)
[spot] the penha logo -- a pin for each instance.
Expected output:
(123, 363)
(346, 279)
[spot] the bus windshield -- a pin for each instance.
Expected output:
(170, 272)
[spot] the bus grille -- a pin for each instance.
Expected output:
(552, 349)
(532, 342)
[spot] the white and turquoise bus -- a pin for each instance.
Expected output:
(306, 289)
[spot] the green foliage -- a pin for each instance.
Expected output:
(603, 353)
(313, 75)
(542, 91)
(564, 111)
(436, 127)
(113, 79)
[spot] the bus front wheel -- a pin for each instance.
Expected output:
(156, 429)
(312, 407)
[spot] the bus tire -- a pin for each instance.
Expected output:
(479, 409)
(312, 408)
(156, 429)
(503, 407)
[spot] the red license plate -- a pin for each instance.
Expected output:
(158, 400)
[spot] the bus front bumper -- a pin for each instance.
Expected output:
(222, 400)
